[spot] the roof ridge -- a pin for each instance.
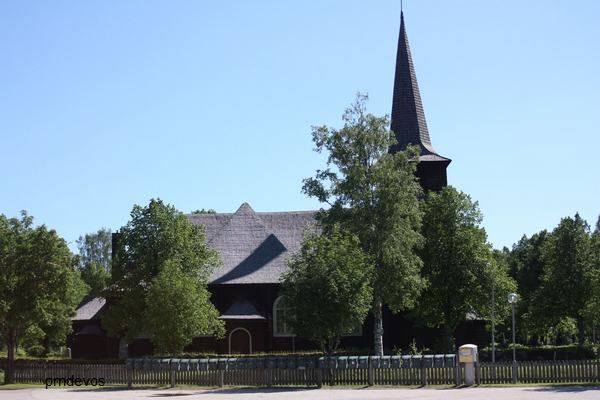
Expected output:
(244, 211)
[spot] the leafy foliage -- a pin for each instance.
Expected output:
(375, 195)
(95, 259)
(332, 271)
(159, 238)
(39, 286)
(204, 211)
(95, 248)
(95, 277)
(458, 263)
(567, 277)
(558, 274)
(526, 267)
(177, 309)
(591, 312)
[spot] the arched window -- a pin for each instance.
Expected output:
(281, 313)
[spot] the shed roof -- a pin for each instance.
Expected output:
(90, 307)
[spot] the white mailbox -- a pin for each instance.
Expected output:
(467, 353)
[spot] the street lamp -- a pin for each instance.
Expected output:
(512, 299)
(493, 318)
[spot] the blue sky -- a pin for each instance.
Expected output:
(106, 104)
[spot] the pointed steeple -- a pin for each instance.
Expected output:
(408, 118)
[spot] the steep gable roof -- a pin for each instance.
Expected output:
(91, 307)
(254, 247)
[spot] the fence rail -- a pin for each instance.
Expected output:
(579, 371)
(308, 371)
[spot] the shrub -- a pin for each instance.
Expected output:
(531, 353)
(35, 351)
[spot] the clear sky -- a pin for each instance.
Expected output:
(106, 104)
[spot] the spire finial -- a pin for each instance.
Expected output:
(401, 7)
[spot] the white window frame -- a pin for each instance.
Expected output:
(275, 317)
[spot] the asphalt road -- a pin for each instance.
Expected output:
(517, 393)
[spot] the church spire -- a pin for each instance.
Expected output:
(408, 118)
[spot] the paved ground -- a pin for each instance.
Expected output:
(525, 393)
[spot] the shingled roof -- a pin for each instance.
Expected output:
(254, 246)
(91, 307)
(408, 118)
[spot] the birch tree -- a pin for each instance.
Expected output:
(375, 195)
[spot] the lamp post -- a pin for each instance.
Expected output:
(493, 319)
(512, 299)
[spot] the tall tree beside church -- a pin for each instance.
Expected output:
(39, 286)
(373, 194)
(591, 312)
(159, 238)
(567, 278)
(457, 263)
(178, 308)
(333, 272)
(526, 267)
(95, 259)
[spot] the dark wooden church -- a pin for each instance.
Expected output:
(254, 247)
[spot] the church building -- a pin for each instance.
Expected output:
(255, 246)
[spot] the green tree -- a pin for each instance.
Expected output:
(178, 309)
(567, 279)
(95, 259)
(332, 271)
(204, 211)
(96, 248)
(591, 312)
(375, 195)
(39, 286)
(457, 263)
(526, 267)
(159, 237)
(95, 277)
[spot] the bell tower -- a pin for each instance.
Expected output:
(408, 119)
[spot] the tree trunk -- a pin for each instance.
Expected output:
(46, 344)
(11, 344)
(580, 331)
(377, 327)
(449, 338)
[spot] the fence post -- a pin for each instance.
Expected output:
(477, 373)
(221, 367)
(370, 374)
(171, 374)
(457, 377)
(423, 373)
(129, 373)
(319, 377)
